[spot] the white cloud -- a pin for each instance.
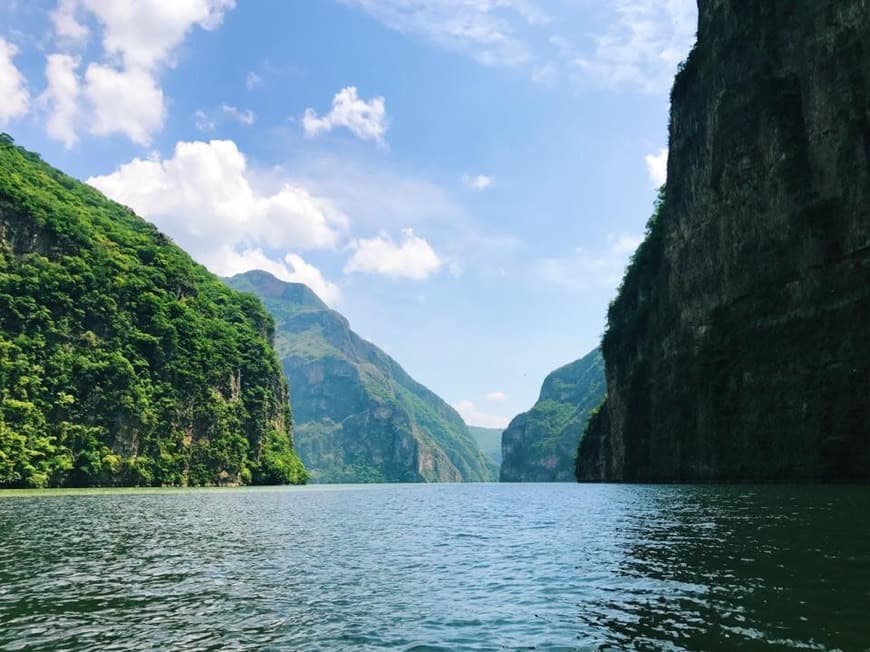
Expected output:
(245, 117)
(252, 80)
(14, 96)
(476, 417)
(477, 181)
(639, 46)
(144, 34)
(67, 25)
(644, 42)
(139, 39)
(208, 200)
(367, 120)
(657, 167)
(62, 97)
(413, 258)
(124, 101)
(486, 30)
(293, 269)
(496, 396)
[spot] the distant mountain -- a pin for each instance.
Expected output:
(358, 416)
(489, 441)
(540, 445)
(122, 361)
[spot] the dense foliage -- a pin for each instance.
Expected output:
(123, 362)
(629, 309)
(359, 416)
(540, 445)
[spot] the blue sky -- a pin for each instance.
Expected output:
(463, 179)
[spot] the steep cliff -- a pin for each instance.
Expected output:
(359, 416)
(121, 360)
(738, 348)
(540, 445)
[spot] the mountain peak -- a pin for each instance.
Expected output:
(265, 284)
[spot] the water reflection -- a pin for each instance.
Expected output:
(710, 568)
(451, 567)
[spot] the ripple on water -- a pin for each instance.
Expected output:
(449, 567)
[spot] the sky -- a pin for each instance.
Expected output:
(464, 180)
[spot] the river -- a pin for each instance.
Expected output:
(437, 567)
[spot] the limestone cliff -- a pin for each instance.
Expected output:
(738, 348)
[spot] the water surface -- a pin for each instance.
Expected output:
(437, 567)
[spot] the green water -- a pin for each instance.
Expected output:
(437, 567)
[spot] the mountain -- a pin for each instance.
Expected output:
(488, 441)
(540, 445)
(123, 362)
(359, 416)
(738, 348)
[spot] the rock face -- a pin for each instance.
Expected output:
(122, 361)
(359, 416)
(739, 346)
(540, 445)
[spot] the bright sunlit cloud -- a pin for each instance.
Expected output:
(367, 120)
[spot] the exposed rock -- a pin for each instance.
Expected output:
(739, 346)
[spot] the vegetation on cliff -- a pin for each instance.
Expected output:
(359, 416)
(540, 445)
(123, 362)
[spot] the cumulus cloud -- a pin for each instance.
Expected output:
(208, 200)
(657, 167)
(367, 120)
(61, 97)
(412, 258)
(14, 96)
(477, 181)
(145, 34)
(496, 396)
(122, 92)
(129, 102)
(474, 416)
(66, 24)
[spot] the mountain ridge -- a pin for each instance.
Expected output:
(359, 415)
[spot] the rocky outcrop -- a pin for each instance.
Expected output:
(540, 445)
(359, 417)
(738, 348)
